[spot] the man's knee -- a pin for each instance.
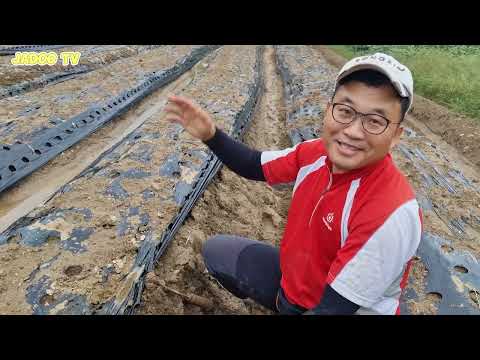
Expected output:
(220, 253)
(220, 262)
(210, 250)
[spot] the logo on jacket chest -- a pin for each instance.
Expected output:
(328, 220)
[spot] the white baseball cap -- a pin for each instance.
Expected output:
(399, 74)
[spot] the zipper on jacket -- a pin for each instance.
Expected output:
(321, 196)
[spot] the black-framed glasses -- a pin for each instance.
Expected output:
(372, 123)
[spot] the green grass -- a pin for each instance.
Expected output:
(446, 74)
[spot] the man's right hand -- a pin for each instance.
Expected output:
(196, 121)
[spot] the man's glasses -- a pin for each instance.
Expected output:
(372, 123)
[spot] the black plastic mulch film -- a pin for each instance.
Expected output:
(49, 79)
(153, 248)
(296, 135)
(46, 79)
(21, 159)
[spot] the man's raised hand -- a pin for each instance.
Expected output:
(196, 121)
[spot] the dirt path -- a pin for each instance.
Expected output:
(230, 205)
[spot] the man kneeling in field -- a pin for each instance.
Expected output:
(353, 225)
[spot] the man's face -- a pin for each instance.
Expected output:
(349, 146)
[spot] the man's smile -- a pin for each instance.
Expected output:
(347, 149)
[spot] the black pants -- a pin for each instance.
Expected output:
(248, 269)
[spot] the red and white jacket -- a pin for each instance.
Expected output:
(356, 231)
